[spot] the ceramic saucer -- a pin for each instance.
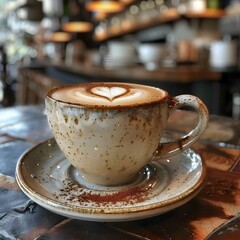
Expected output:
(46, 176)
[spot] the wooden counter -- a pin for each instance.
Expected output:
(200, 81)
(179, 74)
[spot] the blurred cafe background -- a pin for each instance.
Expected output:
(183, 46)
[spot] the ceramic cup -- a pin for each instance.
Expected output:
(109, 131)
(223, 54)
(121, 50)
(151, 54)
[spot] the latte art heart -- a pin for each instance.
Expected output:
(109, 95)
(109, 92)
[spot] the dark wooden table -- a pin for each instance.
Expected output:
(212, 214)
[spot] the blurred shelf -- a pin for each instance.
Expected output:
(129, 26)
(208, 13)
(230, 24)
(169, 16)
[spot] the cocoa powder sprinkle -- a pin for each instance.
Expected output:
(130, 195)
(126, 195)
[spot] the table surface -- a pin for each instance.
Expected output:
(213, 214)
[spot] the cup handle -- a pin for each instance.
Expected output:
(171, 148)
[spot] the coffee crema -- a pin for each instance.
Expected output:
(108, 95)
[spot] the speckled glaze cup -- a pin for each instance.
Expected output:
(109, 131)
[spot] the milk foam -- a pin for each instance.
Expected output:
(109, 95)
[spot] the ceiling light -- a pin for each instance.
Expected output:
(108, 6)
(78, 26)
(59, 37)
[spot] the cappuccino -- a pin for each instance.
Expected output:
(108, 95)
(109, 131)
